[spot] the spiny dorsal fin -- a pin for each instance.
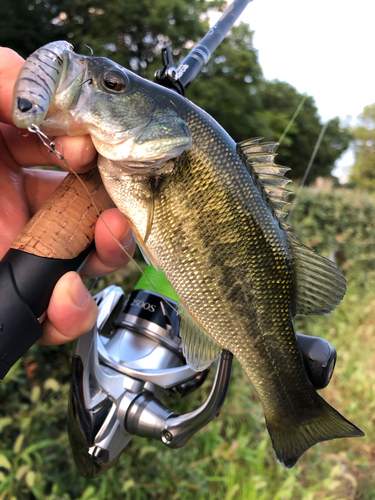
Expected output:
(199, 349)
(268, 176)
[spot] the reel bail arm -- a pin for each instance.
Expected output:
(147, 419)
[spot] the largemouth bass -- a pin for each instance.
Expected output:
(208, 213)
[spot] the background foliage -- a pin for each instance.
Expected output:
(363, 171)
(232, 458)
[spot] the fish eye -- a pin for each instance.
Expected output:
(114, 80)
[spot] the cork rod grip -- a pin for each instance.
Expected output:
(65, 224)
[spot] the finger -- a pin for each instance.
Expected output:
(39, 186)
(71, 311)
(109, 255)
(28, 150)
(14, 212)
(10, 65)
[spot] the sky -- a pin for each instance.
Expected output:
(325, 48)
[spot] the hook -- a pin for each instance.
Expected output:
(87, 80)
(90, 49)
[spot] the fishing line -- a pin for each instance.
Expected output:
(113, 236)
(291, 121)
(308, 168)
(105, 224)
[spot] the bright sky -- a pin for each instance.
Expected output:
(322, 47)
(325, 48)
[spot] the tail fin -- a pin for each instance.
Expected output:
(321, 424)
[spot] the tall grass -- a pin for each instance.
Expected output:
(232, 457)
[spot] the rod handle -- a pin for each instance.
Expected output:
(65, 225)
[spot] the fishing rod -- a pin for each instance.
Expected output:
(179, 79)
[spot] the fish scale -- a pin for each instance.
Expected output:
(209, 213)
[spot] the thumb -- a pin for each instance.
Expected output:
(71, 312)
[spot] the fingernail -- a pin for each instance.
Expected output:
(79, 293)
(127, 239)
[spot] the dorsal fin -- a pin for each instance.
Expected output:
(268, 176)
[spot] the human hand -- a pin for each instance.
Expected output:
(71, 311)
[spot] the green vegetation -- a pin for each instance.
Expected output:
(363, 172)
(231, 88)
(339, 223)
(232, 457)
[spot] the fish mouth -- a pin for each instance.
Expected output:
(147, 148)
(151, 165)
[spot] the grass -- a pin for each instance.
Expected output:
(231, 458)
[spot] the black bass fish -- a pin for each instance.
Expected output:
(208, 213)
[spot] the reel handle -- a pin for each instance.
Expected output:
(56, 240)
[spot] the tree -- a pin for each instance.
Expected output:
(26, 25)
(231, 87)
(363, 171)
(131, 32)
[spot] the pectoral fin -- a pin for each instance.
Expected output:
(142, 247)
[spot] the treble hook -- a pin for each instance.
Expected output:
(87, 80)
(90, 49)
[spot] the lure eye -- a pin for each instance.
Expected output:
(24, 105)
(114, 80)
